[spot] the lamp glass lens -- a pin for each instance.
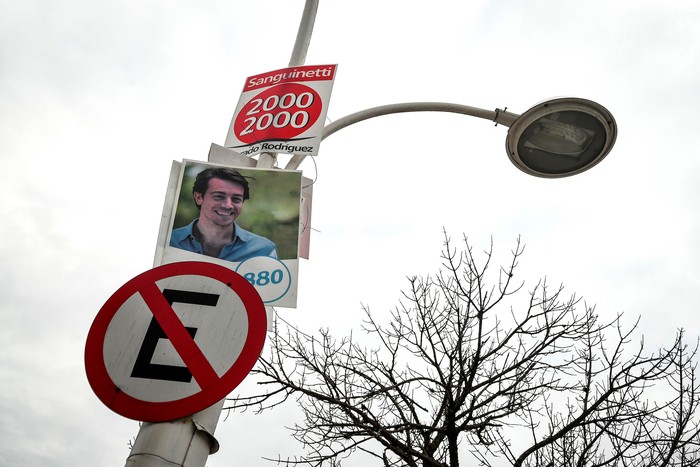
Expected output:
(562, 142)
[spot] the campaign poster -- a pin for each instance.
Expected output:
(282, 111)
(246, 219)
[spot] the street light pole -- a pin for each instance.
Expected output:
(556, 138)
(188, 442)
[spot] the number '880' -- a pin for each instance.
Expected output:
(263, 278)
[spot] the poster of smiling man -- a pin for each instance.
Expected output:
(246, 219)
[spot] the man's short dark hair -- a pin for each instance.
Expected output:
(201, 183)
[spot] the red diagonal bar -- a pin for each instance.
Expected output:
(185, 346)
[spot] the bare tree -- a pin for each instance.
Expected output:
(540, 382)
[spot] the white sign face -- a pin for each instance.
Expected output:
(254, 216)
(151, 370)
(282, 111)
(174, 340)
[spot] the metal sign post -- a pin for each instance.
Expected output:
(187, 442)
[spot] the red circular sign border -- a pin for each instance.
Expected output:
(120, 402)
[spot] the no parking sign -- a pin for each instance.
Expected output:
(282, 111)
(174, 340)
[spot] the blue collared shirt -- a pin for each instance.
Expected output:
(245, 244)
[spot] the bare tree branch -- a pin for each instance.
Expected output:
(472, 366)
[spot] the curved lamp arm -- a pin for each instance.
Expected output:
(498, 116)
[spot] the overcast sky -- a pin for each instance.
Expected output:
(98, 97)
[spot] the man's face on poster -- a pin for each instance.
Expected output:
(222, 203)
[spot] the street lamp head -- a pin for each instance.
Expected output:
(561, 137)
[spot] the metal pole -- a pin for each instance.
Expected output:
(301, 46)
(187, 442)
(306, 27)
